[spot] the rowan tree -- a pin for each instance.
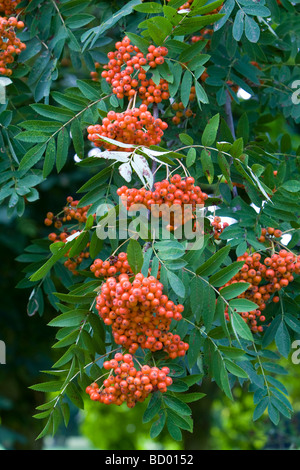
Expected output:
(149, 98)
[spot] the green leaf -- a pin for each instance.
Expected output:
(238, 25)
(191, 397)
(210, 132)
(220, 315)
(243, 305)
(73, 318)
(153, 408)
(260, 408)
(192, 379)
(51, 386)
(183, 423)
(158, 426)
(235, 369)
(77, 138)
(135, 256)
(240, 327)
(207, 165)
(194, 349)
(252, 30)
(159, 29)
(46, 429)
(174, 430)
(95, 245)
(225, 168)
(80, 244)
(185, 89)
(78, 21)
(67, 340)
(292, 186)
(226, 274)
(31, 157)
(201, 94)
(40, 273)
(73, 393)
(283, 340)
(63, 141)
(234, 290)
(53, 112)
(198, 291)
(176, 284)
(191, 157)
(89, 90)
(273, 414)
(214, 262)
(209, 307)
(231, 352)
(177, 405)
(150, 7)
(49, 158)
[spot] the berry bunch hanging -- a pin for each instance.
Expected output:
(269, 234)
(140, 314)
(182, 111)
(10, 45)
(134, 126)
(9, 7)
(126, 72)
(111, 267)
(70, 212)
(126, 384)
(265, 279)
(219, 227)
(177, 191)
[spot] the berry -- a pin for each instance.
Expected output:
(9, 43)
(167, 194)
(125, 72)
(126, 384)
(140, 315)
(135, 126)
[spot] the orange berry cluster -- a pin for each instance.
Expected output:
(176, 191)
(71, 212)
(132, 79)
(71, 263)
(111, 267)
(179, 192)
(115, 265)
(9, 43)
(203, 36)
(269, 233)
(140, 314)
(251, 318)
(8, 7)
(218, 227)
(135, 126)
(127, 384)
(181, 111)
(266, 279)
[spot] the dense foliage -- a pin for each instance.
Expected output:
(145, 98)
